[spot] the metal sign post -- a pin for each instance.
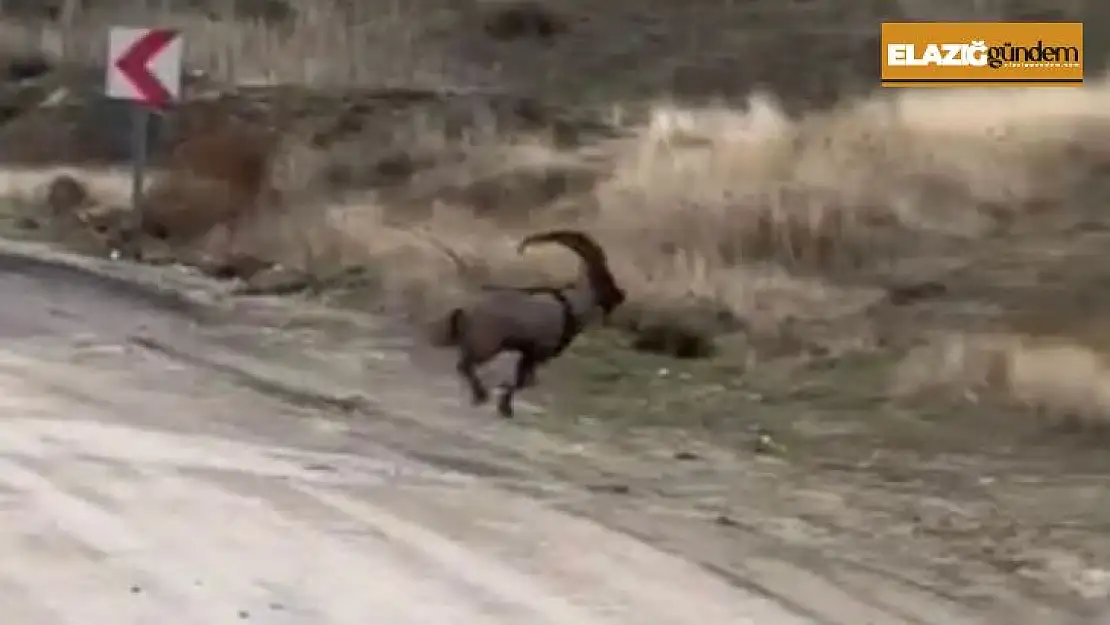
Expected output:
(140, 125)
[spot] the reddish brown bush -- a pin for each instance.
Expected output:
(237, 155)
(217, 177)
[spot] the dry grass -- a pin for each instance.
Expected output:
(731, 216)
(1063, 379)
(718, 206)
(943, 160)
(327, 43)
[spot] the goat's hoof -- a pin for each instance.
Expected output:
(478, 399)
(505, 410)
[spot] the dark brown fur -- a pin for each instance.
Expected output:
(538, 322)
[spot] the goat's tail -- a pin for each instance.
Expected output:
(448, 329)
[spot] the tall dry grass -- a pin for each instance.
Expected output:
(741, 210)
(1063, 379)
(720, 206)
(325, 43)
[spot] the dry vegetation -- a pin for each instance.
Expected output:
(1063, 379)
(738, 221)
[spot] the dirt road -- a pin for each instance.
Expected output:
(137, 489)
(157, 466)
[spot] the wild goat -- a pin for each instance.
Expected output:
(536, 322)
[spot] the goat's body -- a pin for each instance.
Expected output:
(538, 323)
(508, 320)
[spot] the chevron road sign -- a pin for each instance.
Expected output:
(144, 65)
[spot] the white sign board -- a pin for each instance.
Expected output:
(144, 65)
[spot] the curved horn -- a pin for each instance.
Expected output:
(593, 257)
(577, 241)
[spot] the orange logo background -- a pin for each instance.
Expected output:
(1019, 53)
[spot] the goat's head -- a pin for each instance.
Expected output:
(607, 293)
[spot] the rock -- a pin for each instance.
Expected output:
(25, 67)
(677, 339)
(27, 222)
(614, 488)
(210, 266)
(114, 222)
(273, 12)
(228, 266)
(81, 222)
(765, 444)
(152, 251)
(46, 10)
(18, 97)
(65, 195)
(726, 521)
(910, 293)
(276, 280)
(509, 21)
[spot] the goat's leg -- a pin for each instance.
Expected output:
(467, 368)
(526, 367)
(525, 376)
